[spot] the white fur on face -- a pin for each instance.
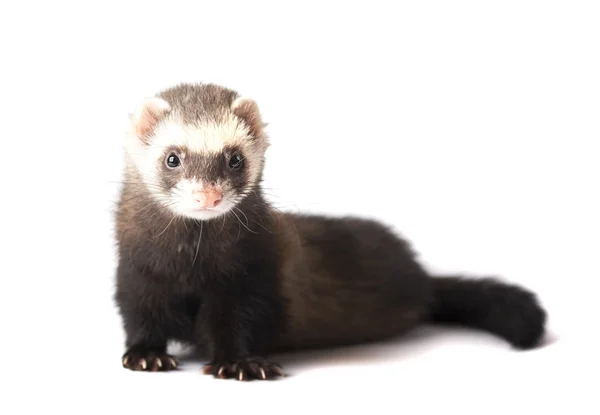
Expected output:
(183, 203)
(203, 138)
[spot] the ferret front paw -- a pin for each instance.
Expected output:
(148, 361)
(244, 369)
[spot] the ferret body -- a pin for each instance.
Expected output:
(205, 260)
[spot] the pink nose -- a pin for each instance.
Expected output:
(208, 198)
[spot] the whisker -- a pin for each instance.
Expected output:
(169, 224)
(239, 227)
(240, 210)
(198, 246)
(223, 224)
(238, 218)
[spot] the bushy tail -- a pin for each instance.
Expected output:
(505, 310)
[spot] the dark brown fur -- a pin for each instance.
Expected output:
(340, 282)
(205, 103)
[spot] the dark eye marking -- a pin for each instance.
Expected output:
(236, 161)
(173, 161)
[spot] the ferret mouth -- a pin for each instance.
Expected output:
(195, 211)
(205, 209)
(203, 213)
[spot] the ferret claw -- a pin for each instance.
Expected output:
(159, 362)
(245, 369)
(125, 361)
(144, 364)
(173, 362)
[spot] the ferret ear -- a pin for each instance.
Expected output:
(247, 110)
(147, 114)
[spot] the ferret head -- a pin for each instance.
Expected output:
(199, 149)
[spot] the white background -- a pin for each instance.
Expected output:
(471, 127)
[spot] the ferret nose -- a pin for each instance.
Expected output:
(208, 198)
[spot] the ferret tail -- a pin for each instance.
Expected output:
(505, 310)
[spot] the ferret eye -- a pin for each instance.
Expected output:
(173, 161)
(236, 161)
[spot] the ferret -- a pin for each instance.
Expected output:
(205, 260)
